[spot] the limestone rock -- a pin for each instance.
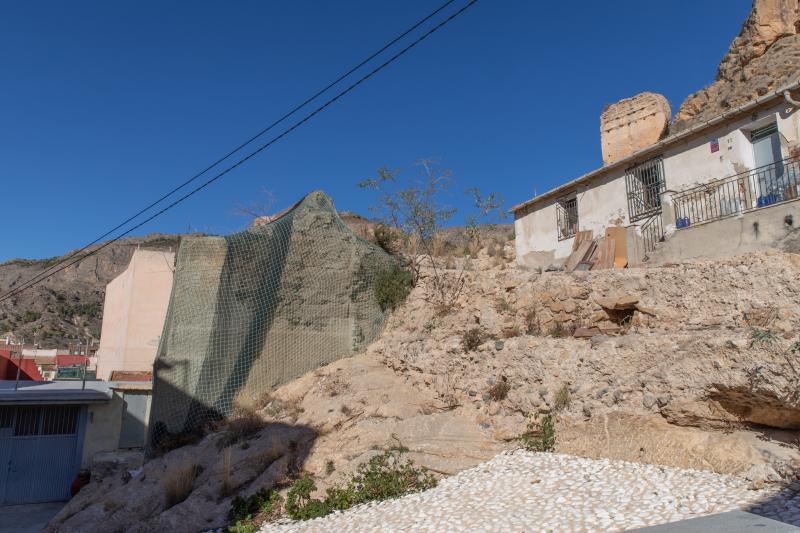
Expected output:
(763, 58)
(633, 124)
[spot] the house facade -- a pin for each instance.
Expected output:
(734, 164)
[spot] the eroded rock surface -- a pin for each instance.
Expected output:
(764, 57)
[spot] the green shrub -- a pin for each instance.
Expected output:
(385, 476)
(243, 510)
(762, 337)
(539, 436)
(392, 287)
(31, 316)
(472, 339)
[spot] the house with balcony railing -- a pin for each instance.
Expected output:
(733, 180)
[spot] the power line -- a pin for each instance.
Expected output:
(34, 281)
(44, 273)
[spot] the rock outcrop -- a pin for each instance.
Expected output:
(632, 124)
(674, 374)
(764, 57)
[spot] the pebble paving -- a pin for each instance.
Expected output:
(525, 491)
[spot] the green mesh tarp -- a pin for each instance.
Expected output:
(256, 309)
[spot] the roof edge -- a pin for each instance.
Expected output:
(663, 143)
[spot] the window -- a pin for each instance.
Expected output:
(644, 184)
(567, 217)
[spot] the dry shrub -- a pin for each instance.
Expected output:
(178, 483)
(491, 249)
(499, 391)
(532, 324)
(244, 424)
(450, 262)
(445, 385)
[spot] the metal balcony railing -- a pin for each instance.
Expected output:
(747, 191)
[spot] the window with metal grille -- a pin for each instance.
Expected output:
(644, 184)
(567, 217)
(34, 420)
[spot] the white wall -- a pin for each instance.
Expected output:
(133, 314)
(603, 202)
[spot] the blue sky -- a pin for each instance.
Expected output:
(105, 105)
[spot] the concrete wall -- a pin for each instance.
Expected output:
(133, 314)
(602, 202)
(769, 228)
(103, 424)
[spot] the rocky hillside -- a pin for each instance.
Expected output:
(764, 57)
(691, 365)
(68, 305)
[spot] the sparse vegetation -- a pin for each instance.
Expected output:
(539, 436)
(244, 423)
(30, 316)
(247, 513)
(532, 324)
(503, 306)
(563, 399)
(762, 337)
(385, 476)
(473, 338)
(392, 287)
(416, 215)
(560, 331)
(499, 391)
(178, 483)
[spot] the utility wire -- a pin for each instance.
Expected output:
(252, 154)
(297, 108)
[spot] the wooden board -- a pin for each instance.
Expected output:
(620, 237)
(577, 256)
(605, 255)
(581, 237)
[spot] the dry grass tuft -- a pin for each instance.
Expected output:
(178, 483)
(226, 489)
(244, 424)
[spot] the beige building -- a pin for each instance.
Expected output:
(741, 167)
(133, 314)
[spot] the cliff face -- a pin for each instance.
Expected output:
(764, 57)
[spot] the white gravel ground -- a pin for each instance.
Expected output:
(524, 491)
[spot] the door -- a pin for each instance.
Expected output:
(768, 167)
(134, 412)
(40, 452)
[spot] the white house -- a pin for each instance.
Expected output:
(664, 188)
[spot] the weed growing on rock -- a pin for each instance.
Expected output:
(562, 399)
(532, 324)
(330, 467)
(392, 287)
(504, 307)
(762, 337)
(539, 436)
(472, 339)
(499, 391)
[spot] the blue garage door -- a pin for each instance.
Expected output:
(39, 452)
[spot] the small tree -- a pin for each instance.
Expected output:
(416, 212)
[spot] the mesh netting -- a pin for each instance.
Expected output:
(256, 309)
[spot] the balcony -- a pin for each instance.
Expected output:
(730, 196)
